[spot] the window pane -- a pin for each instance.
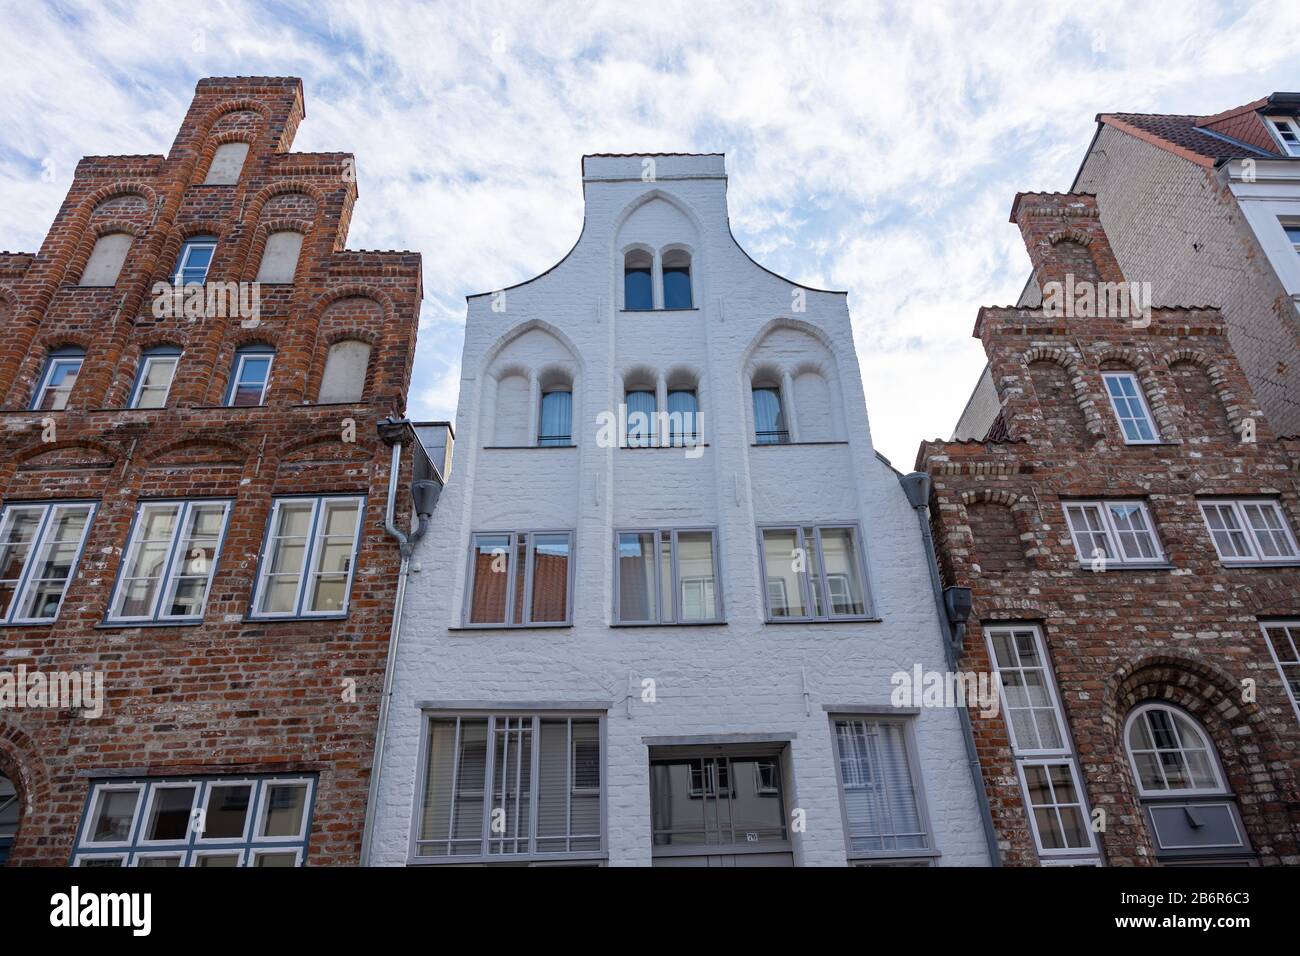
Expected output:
(287, 552)
(218, 860)
(640, 418)
(1090, 537)
(491, 575)
(251, 376)
(683, 417)
(550, 577)
(156, 862)
(115, 812)
(334, 552)
(227, 811)
(511, 784)
(1266, 522)
(1135, 538)
(879, 794)
(677, 287)
(59, 381)
(636, 576)
(769, 421)
(17, 535)
(636, 289)
(285, 805)
(277, 859)
(556, 427)
(844, 584)
(780, 559)
(60, 544)
(155, 382)
(1129, 408)
(695, 574)
(169, 813)
(1226, 530)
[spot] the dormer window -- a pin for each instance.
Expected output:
(677, 279)
(1286, 132)
(638, 285)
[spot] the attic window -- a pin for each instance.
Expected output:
(1287, 133)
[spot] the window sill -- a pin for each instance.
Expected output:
(782, 444)
(653, 311)
(513, 627)
(598, 857)
(1152, 444)
(293, 618)
(1126, 566)
(634, 624)
(29, 623)
(526, 447)
(1288, 563)
(702, 444)
(127, 625)
(824, 620)
(894, 855)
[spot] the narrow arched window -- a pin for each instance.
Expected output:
(227, 162)
(638, 291)
(683, 417)
(556, 424)
(194, 260)
(769, 419)
(57, 380)
(154, 379)
(280, 257)
(344, 379)
(106, 260)
(677, 280)
(1170, 753)
(640, 418)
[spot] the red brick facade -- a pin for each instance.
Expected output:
(229, 695)
(1188, 632)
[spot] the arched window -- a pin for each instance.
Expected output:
(106, 260)
(769, 419)
(154, 379)
(9, 809)
(57, 379)
(227, 162)
(194, 259)
(677, 279)
(683, 417)
(1170, 753)
(641, 408)
(555, 426)
(344, 379)
(638, 291)
(280, 257)
(250, 376)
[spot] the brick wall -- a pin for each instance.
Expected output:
(1187, 633)
(228, 695)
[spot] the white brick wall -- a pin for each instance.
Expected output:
(746, 676)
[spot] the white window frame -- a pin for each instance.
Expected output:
(806, 581)
(160, 854)
(1238, 509)
(47, 377)
(258, 852)
(675, 618)
(173, 564)
(182, 263)
(241, 358)
(25, 582)
(313, 552)
(1291, 634)
(512, 571)
(1290, 149)
(93, 813)
(1055, 853)
(1112, 533)
(264, 808)
(143, 376)
(142, 837)
(247, 835)
(240, 853)
(80, 859)
(1220, 788)
(1142, 401)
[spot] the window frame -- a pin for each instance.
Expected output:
(719, 604)
(171, 566)
(1255, 558)
(241, 355)
(23, 584)
(52, 361)
(166, 354)
(188, 246)
(1272, 120)
(782, 436)
(1084, 856)
(805, 584)
(537, 714)
(1291, 627)
(314, 539)
(191, 847)
(512, 552)
(1220, 788)
(923, 855)
(551, 441)
(1140, 393)
(1112, 532)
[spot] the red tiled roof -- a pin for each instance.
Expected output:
(1238, 133)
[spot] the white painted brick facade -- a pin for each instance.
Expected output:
(744, 677)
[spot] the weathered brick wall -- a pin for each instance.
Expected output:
(1188, 633)
(229, 695)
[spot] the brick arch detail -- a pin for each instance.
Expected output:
(1218, 381)
(256, 243)
(22, 764)
(327, 340)
(1069, 361)
(1156, 397)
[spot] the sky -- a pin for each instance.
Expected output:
(870, 147)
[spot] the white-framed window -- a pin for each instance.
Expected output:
(40, 547)
(194, 260)
(1249, 531)
(154, 380)
(196, 821)
(250, 377)
(1041, 744)
(57, 380)
(1131, 410)
(520, 579)
(308, 557)
(667, 576)
(814, 573)
(1284, 644)
(169, 562)
(1286, 132)
(879, 788)
(510, 787)
(1170, 753)
(1113, 532)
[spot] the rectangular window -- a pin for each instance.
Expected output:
(814, 573)
(252, 375)
(40, 546)
(169, 561)
(509, 788)
(1284, 644)
(769, 419)
(308, 557)
(193, 261)
(879, 788)
(1118, 532)
(196, 821)
(154, 381)
(1040, 743)
(666, 577)
(1131, 409)
(1250, 531)
(1287, 133)
(56, 384)
(730, 800)
(519, 579)
(1292, 230)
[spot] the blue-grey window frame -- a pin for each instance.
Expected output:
(719, 604)
(859, 542)
(512, 554)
